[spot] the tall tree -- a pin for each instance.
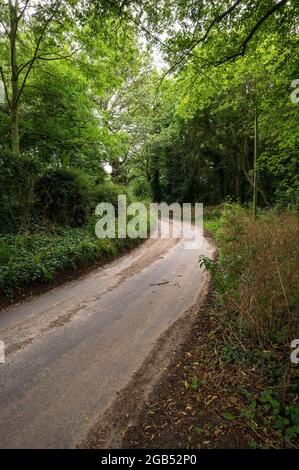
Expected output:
(28, 35)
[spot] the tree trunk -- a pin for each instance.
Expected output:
(15, 138)
(254, 202)
(14, 111)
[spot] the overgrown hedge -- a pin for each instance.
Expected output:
(32, 195)
(47, 222)
(28, 259)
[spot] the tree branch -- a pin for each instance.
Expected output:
(23, 10)
(242, 49)
(38, 44)
(45, 58)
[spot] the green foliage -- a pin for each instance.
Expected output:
(58, 119)
(273, 416)
(255, 279)
(201, 146)
(39, 257)
(109, 192)
(229, 416)
(17, 196)
(195, 383)
(141, 188)
(63, 197)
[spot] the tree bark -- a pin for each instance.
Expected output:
(254, 202)
(14, 111)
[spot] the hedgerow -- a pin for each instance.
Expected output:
(29, 258)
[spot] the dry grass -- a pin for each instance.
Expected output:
(262, 261)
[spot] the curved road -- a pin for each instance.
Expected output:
(70, 350)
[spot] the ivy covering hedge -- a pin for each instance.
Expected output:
(29, 258)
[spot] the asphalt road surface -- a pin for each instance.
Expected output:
(70, 350)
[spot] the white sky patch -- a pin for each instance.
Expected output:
(158, 60)
(157, 55)
(2, 93)
(107, 168)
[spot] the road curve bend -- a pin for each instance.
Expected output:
(71, 350)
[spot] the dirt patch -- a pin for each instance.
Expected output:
(154, 251)
(182, 397)
(61, 320)
(112, 427)
(186, 409)
(18, 346)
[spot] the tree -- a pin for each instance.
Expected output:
(229, 26)
(209, 152)
(34, 29)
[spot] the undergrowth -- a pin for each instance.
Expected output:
(26, 259)
(256, 302)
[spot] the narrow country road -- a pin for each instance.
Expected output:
(70, 350)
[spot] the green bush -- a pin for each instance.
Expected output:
(64, 197)
(141, 189)
(109, 192)
(27, 258)
(17, 198)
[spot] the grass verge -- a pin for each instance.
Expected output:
(38, 259)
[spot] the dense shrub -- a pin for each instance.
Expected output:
(64, 197)
(141, 188)
(17, 197)
(27, 258)
(109, 192)
(47, 224)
